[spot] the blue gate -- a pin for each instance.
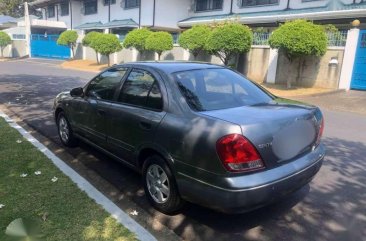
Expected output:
(45, 46)
(359, 69)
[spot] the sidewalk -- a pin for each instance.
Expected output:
(282, 91)
(84, 65)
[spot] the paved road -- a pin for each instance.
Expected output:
(332, 207)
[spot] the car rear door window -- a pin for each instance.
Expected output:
(218, 88)
(141, 89)
(104, 86)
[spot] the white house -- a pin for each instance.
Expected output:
(117, 16)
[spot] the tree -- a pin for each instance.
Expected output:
(68, 38)
(228, 39)
(137, 39)
(159, 42)
(5, 40)
(15, 8)
(106, 44)
(297, 39)
(87, 40)
(195, 39)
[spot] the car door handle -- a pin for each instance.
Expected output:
(145, 125)
(101, 112)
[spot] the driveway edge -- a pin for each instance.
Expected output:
(122, 217)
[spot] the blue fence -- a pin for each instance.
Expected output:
(45, 46)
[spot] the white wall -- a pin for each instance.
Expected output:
(170, 12)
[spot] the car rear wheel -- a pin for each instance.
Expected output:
(160, 187)
(65, 132)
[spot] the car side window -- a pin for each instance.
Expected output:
(104, 86)
(141, 89)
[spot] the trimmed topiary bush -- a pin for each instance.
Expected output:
(159, 42)
(106, 44)
(229, 39)
(297, 39)
(68, 38)
(87, 40)
(137, 39)
(5, 40)
(195, 39)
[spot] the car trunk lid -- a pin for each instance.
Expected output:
(280, 132)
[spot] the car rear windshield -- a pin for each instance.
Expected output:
(218, 88)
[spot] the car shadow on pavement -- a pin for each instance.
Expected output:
(332, 207)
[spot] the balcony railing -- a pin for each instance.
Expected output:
(261, 38)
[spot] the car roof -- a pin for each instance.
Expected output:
(174, 66)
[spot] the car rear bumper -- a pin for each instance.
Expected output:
(244, 193)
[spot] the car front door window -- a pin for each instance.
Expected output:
(104, 86)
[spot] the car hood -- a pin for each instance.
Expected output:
(280, 130)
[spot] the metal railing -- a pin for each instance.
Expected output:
(260, 38)
(337, 39)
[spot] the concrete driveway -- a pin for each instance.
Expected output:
(332, 207)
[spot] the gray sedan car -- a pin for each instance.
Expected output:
(196, 132)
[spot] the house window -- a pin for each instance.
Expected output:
(132, 3)
(106, 2)
(208, 5)
(250, 3)
(51, 11)
(18, 36)
(64, 8)
(90, 7)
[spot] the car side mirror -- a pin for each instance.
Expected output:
(77, 92)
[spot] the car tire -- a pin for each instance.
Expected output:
(156, 186)
(65, 132)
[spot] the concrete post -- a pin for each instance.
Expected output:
(27, 30)
(349, 59)
(83, 47)
(186, 55)
(272, 66)
(134, 54)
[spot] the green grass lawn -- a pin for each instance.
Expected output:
(63, 211)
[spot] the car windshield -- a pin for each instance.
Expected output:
(218, 88)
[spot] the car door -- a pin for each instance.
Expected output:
(136, 114)
(91, 111)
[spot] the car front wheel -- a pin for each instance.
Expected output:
(65, 132)
(160, 187)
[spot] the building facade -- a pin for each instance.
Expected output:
(174, 15)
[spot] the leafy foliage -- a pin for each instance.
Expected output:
(228, 39)
(106, 44)
(299, 38)
(5, 40)
(159, 42)
(87, 40)
(137, 39)
(15, 8)
(194, 39)
(68, 38)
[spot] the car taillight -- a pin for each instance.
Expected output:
(238, 154)
(320, 132)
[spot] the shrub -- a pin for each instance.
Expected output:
(5, 40)
(228, 39)
(137, 39)
(299, 38)
(87, 40)
(106, 44)
(159, 42)
(68, 38)
(195, 39)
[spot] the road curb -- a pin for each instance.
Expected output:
(122, 217)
